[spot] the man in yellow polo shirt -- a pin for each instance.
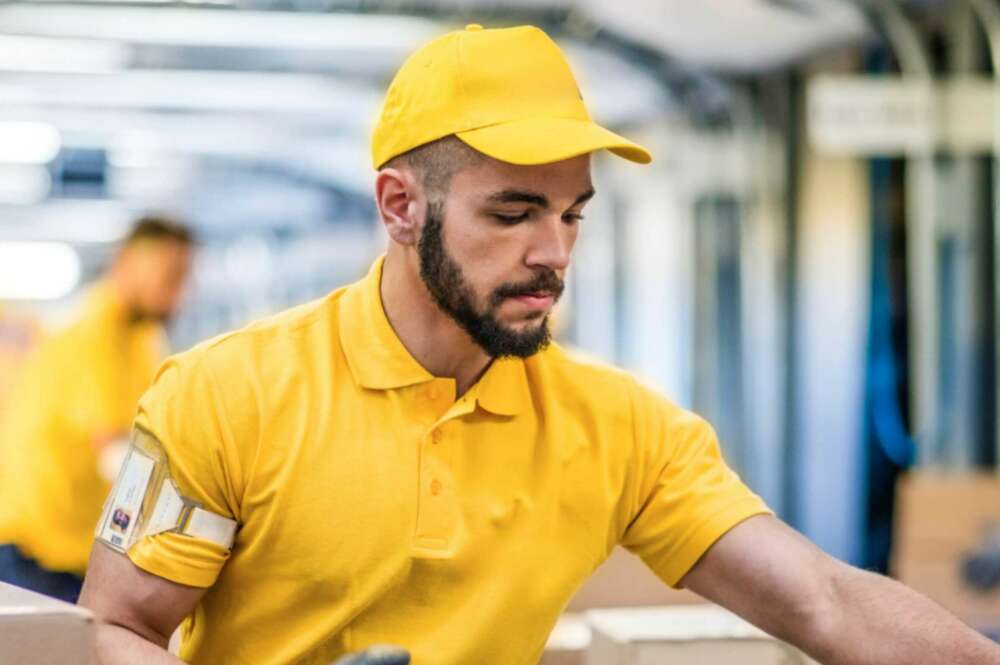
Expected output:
(410, 461)
(75, 398)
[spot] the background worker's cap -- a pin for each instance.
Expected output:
(508, 93)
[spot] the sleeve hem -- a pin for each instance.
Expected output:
(174, 571)
(672, 565)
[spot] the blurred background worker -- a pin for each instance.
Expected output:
(18, 334)
(62, 430)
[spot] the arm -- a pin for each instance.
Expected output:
(776, 579)
(136, 612)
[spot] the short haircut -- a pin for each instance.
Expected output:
(437, 162)
(158, 228)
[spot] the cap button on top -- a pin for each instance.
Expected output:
(473, 26)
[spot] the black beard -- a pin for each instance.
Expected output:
(443, 278)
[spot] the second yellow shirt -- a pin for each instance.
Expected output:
(77, 389)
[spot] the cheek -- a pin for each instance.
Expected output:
(480, 251)
(163, 292)
(469, 241)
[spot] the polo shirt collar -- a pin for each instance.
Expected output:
(375, 354)
(503, 389)
(379, 361)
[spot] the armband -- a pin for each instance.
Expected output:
(145, 501)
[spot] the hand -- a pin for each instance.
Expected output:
(377, 655)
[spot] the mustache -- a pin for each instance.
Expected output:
(546, 282)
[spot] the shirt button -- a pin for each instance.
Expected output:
(436, 487)
(436, 436)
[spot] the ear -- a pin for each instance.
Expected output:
(399, 199)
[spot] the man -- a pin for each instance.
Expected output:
(409, 461)
(18, 335)
(75, 399)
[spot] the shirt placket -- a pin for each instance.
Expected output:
(438, 500)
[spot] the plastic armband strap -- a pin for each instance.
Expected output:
(145, 501)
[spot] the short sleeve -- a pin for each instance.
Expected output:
(688, 496)
(184, 413)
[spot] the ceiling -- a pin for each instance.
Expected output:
(256, 113)
(739, 36)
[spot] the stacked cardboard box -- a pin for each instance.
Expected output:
(623, 581)
(682, 635)
(36, 630)
(942, 518)
(568, 642)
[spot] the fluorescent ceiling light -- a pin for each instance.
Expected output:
(28, 142)
(77, 221)
(740, 36)
(24, 185)
(44, 54)
(203, 90)
(38, 270)
(219, 27)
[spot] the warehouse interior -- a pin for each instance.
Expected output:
(810, 262)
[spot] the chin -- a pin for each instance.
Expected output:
(528, 325)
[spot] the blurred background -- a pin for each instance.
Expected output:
(810, 262)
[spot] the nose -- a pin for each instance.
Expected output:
(552, 244)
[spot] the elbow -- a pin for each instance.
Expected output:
(106, 643)
(828, 620)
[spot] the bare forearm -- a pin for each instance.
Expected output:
(120, 646)
(882, 622)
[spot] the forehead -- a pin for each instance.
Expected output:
(163, 250)
(566, 179)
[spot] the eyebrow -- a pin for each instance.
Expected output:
(583, 198)
(534, 198)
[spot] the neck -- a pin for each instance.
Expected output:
(431, 336)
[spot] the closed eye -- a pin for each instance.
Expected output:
(510, 220)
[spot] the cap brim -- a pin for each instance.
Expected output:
(547, 140)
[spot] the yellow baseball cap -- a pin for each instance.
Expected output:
(508, 93)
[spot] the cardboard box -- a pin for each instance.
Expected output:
(682, 635)
(940, 518)
(625, 581)
(37, 630)
(622, 581)
(568, 642)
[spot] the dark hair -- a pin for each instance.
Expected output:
(159, 228)
(436, 162)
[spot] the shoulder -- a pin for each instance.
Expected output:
(237, 367)
(581, 382)
(581, 374)
(590, 383)
(559, 363)
(274, 343)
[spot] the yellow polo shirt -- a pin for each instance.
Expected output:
(374, 507)
(18, 335)
(79, 386)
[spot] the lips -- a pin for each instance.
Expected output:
(537, 301)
